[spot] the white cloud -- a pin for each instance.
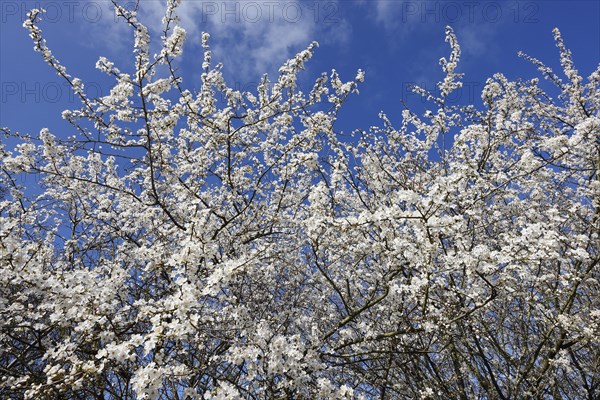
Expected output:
(249, 37)
(253, 37)
(476, 23)
(477, 40)
(97, 25)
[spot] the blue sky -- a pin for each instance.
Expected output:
(397, 43)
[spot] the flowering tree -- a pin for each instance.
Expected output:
(226, 244)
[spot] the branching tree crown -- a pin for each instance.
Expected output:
(221, 244)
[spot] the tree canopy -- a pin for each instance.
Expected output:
(219, 244)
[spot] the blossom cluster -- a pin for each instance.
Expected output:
(221, 244)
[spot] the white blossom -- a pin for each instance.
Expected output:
(219, 244)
